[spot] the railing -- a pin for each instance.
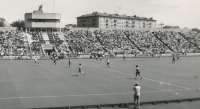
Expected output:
(132, 42)
(189, 40)
(124, 105)
(162, 41)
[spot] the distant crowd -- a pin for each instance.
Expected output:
(12, 43)
(120, 41)
(103, 41)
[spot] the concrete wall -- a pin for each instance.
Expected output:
(42, 25)
(133, 29)
(42, 16)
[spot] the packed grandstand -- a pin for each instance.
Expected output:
(115, 41)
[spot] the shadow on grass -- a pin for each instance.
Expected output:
(107, 67)
(131, 78)
(134, 78)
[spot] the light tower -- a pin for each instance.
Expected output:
(161, 24)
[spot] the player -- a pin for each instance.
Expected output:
(137, 72)
(136, 90)
(80, 70)
(28, 57)
(173, 59)
(108, 63)
(124, 57)
(177, 57)
(70, 63)
(101, 59)
(35, 60)
(159, 56)
(55, 60)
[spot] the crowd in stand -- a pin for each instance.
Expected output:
(12, 43)
(117, 41)
(106, 41)
(82, 41)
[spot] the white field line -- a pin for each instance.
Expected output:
(106, 94)
(134, 75)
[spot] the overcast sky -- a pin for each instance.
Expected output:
(183, 13)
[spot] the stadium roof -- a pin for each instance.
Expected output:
(116, 16)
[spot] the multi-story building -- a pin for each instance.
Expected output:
(39, 21)
(43, 31)
(104, 20)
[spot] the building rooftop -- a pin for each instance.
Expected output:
(116, 15)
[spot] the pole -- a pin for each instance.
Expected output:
(53, 6)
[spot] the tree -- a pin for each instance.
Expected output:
(196, 29)
(2, 20)
(1, 24)
(19, 24)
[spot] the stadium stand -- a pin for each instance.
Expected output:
(106, 41)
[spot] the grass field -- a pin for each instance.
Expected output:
(24, 85)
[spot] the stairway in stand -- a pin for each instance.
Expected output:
(29, 38)
(45, 37)
(28, 41)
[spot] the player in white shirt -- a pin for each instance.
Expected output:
(80, 70)
(35, 60)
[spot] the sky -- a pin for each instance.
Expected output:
(182, 13)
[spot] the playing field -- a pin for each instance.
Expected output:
(24, 85)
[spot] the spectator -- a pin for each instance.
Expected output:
(136, 89)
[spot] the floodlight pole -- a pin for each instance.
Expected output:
(53, 5)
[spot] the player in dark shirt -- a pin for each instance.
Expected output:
(173, 59)
(124, 57)
(55, 60)
(137, 72)
(108, 63)
(70, 63)
(177, 57)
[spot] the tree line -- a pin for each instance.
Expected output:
(20, 24)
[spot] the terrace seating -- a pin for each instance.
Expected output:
(117, 40)
(112, 41)
(11, 41)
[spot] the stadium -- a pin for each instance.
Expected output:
(39, 66)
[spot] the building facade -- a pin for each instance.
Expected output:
(39, 21)
(104, 20)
